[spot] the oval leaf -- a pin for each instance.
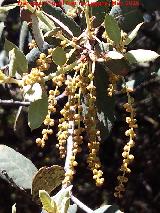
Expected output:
(127, 16)
(59, 56)
(18, 62)
(141, 56)
(112, 29)
(67, 24)
(19, 168)
(47, 178)
(37, 112)
(98, 9)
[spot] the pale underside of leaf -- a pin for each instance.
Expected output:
(6, 8)
(17, 167)
(141, 56)
(133, 34)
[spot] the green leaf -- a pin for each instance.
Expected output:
(47, 22)
(133, 34)
(48, 204)
(37, 112)
(18, 62)
(51, 32)
(67, 24)
(47, 178)
(112, 29)
(59, 56)
(17, 167)
(98, 9)
(127, 16)
(8, 46)
(141, 56)
(118, 66)
(8, 7)
(104, 103)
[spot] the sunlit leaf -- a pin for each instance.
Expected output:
(8, 7)
(18, 62)
(32, 92)
(59, 56)
(37, 112)
(47, 203)
(112, 29)
(67, 24)
(19, 168)
(133, 34)
(127, 16)
(114, 55)
(141, 56)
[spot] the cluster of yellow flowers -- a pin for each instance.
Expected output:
(32, 44)
(35, 76)
(37, 73)
(113, 78)
(72, 114)
(128, 158)
(91, 128)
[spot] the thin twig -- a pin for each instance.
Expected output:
(14, 103)
(81, 205)
(24, 103)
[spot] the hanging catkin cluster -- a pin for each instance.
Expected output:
(91, 127)
(128, 158)
(81, 84)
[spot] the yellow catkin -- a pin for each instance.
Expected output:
(91, 129)
(113, 78)
(72, 113)
(49, 122)
(127, 157)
